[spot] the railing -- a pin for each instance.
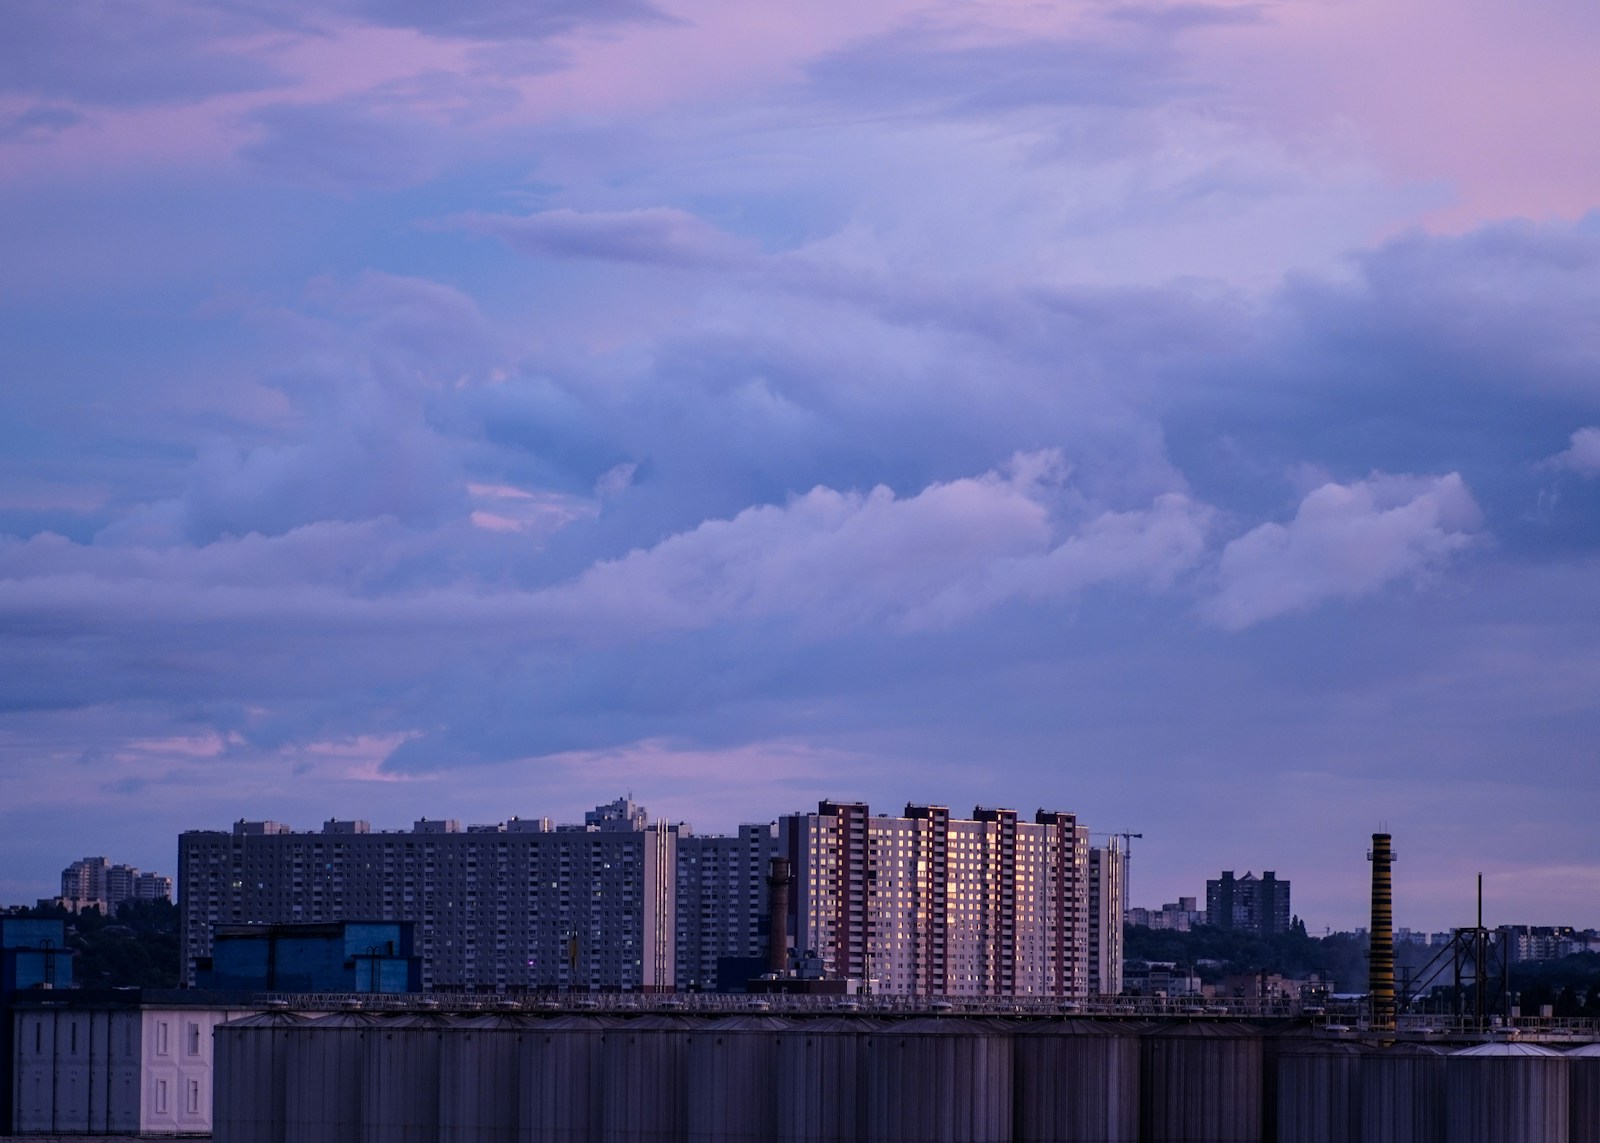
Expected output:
(709, 1003)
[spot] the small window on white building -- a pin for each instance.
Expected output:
(161, 1097)
(194, 1097)
(161, 1037)
(194, 1039)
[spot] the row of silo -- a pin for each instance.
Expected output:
(510, 1077)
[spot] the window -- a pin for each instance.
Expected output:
(161, 1097)
(194, 1039)
(161, 1037)
(194, 1097)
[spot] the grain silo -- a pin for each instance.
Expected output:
(1583, 1087)
(938, 1080)
(1201, 1083)
(1506, 1093)
(1076, 1081)
(480, 1070)
(562, 1080)
(731, 1080)
(400, 1087)
(250, 1078)
(1318, 1091)
(819, 1090)
(324, 1078)
(644, 1063)
(1402, 1094)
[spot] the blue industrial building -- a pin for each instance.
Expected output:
(33, 954)
(335, 956)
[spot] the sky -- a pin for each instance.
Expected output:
(1182, 414)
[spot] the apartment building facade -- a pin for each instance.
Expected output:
(722, 901)
(517, 906)
(927, 904)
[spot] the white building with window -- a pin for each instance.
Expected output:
(86, 1066)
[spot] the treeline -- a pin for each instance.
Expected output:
(136, 948)
(1570, 986)
(1216, 953)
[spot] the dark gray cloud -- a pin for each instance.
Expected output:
(39, 122)
(348, 145)
(128, 54)
(653, 236)
(928, 71)
(501, 19)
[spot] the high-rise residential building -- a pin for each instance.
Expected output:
(95, 881)
(508, 907)
(1250, 903)
(927, 904)
(1108, 877)
(1179, 916)
(722, 902)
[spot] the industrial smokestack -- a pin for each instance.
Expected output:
(778, 916)
(1380, 957)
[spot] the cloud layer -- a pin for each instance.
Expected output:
(421, 409)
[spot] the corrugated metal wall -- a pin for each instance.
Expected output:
(251, 1078)
(1201, 1083)
(1506, 1093)
(324, 1078)
(429, 1078)
(400, 1089)
(1076, 1081)
(1583, 1087)
(1318, 1097)
(939, 1080)
(1402, 1095)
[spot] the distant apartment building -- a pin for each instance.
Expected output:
(927, 904)
(514, 906)
(94, 881)
(1546, 942)
(722, 903)
(1178, 916)
(1108, 873)
(1249, 903)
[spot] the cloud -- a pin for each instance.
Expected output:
(129, 54)
(501, 19)
(833, 561)
(39, 122)
(1583, 456)
(1346, 540)
(350, 144)
(652, 236)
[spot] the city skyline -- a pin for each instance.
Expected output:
(1183, 414)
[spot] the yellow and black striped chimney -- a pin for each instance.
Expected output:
(1380, 957)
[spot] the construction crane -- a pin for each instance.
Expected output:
(1127, 863)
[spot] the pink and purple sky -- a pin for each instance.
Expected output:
(1183, 414)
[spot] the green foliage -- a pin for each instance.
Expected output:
(138, 948)
(1341, 957)
(1571, 986)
